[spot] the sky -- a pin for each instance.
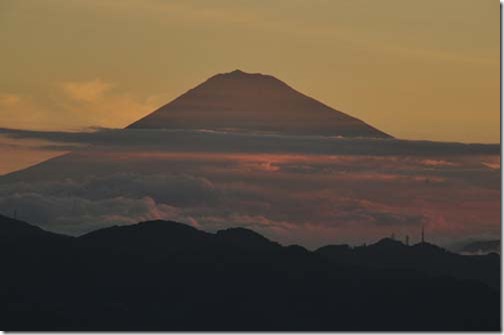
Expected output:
(424, 72)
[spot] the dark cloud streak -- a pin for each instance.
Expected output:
(230, 142)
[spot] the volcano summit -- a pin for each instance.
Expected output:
(242, 101)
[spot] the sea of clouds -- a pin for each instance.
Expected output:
(310, 190)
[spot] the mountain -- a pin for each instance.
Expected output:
(13, 231)
(481, 247)
(235, 101)
(424, 257)
(246, 239)
(167, 276)
(151, 237)
(254, 102)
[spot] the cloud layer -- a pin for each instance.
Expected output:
(239, 142)
(306, 190)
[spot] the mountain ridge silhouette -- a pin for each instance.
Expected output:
(162, 275)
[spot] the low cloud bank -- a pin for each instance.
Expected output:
(234, 142)
(293, 198)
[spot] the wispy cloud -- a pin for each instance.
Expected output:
(87, 91)
(75, 105)
(9, 99)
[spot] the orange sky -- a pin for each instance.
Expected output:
(416, 70)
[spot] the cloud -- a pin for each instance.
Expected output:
(492, 165)
(309, 190)
(75, 105)
(221, 141)
(9, 99)
(76, 215)
(98, 102)
(437, 162)
(86, 91)
(293, 198)
(19, 110)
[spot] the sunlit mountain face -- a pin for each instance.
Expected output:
(247, 150)
(254, 102)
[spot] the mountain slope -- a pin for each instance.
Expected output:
(13, 231)
(254, 102)
(422, 257)
(167, 276)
